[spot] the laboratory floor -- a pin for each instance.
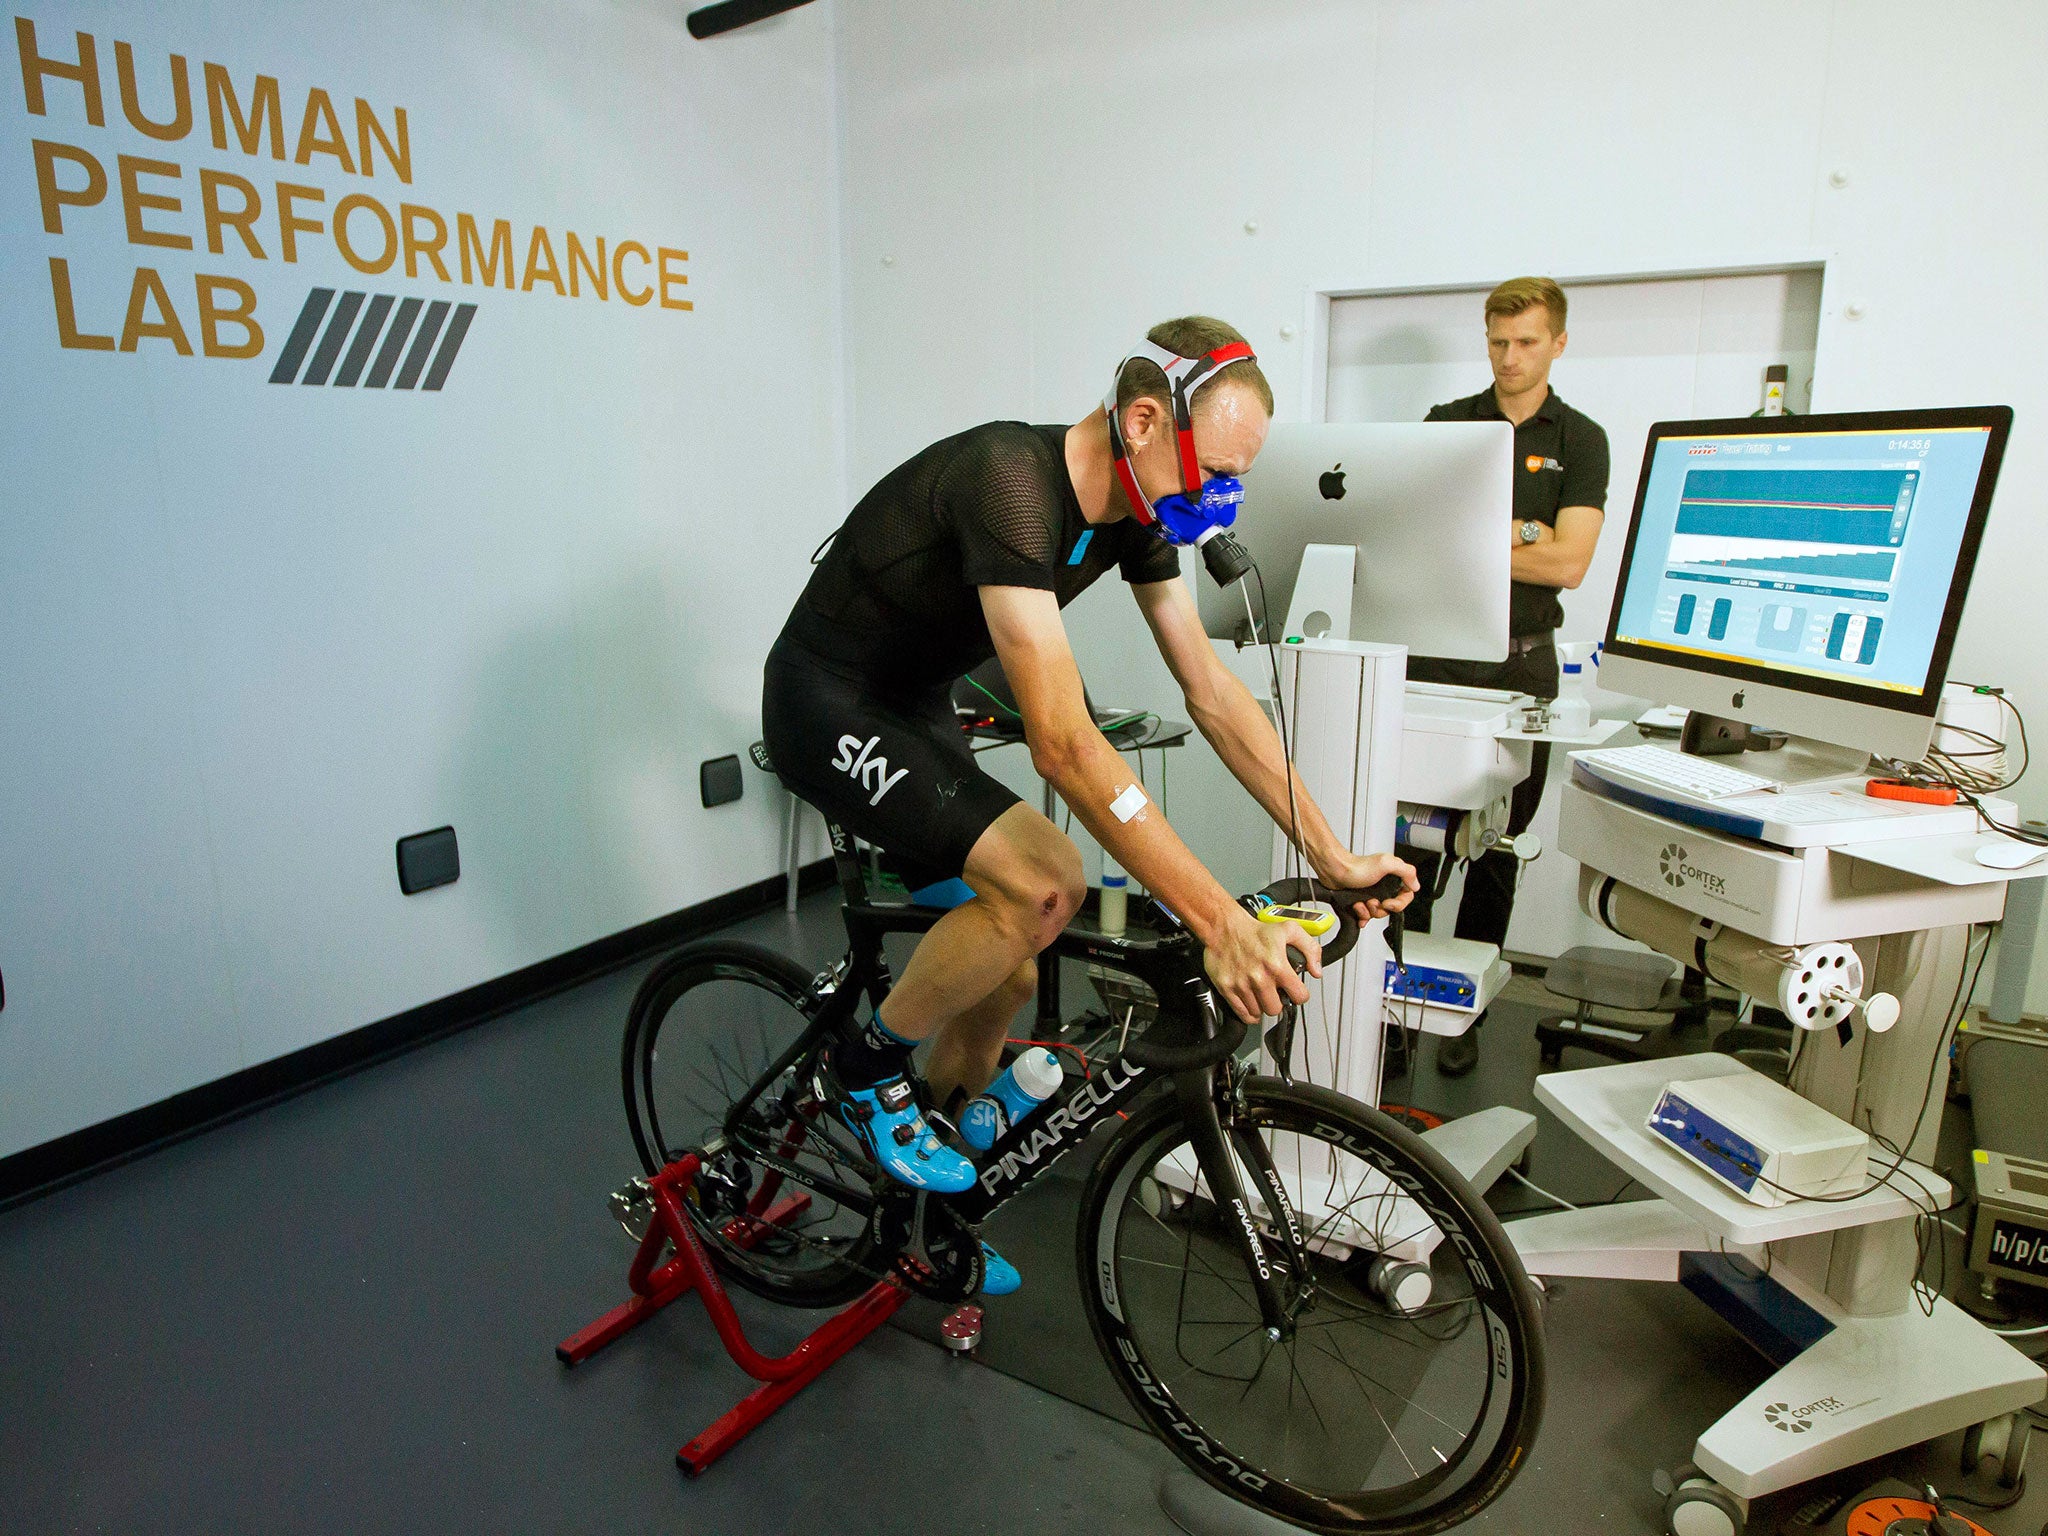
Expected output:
(338, 1314)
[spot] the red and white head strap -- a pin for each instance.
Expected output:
(1184, 375)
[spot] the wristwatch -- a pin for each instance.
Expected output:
(1531, 530)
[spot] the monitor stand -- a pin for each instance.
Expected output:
(1799, 762)
(1321, 605)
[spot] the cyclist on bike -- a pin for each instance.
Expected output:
(971, 549)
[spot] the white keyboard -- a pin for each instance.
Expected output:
(1819, 809)
(1660, 768)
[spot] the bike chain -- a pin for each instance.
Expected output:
(935, 1253)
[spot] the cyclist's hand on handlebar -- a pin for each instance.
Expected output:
(1361, 871)
(1252, 969)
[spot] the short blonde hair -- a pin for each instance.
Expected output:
(1523, 293)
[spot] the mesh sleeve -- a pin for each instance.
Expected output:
(1147, 557)
(1005, 514)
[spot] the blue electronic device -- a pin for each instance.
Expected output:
(1432, 984)
(1760, 1138)
(1724, 1154)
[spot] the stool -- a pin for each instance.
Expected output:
(1610, 978)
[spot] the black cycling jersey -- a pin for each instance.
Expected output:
(894, 600)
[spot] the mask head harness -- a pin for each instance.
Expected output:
(1197, 514)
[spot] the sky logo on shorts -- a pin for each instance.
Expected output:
(869, 772)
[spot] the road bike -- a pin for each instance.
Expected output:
(1303, 1300)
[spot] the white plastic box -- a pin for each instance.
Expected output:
(1760, 1138)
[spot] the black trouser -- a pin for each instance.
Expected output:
(1489, 899)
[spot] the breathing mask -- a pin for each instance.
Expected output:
(1198, 513)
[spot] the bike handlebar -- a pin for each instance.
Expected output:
(1216, 1030)
(1290, 892)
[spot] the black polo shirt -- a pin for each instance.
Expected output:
(1560, 461)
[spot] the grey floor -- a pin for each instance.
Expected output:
(338, 1314)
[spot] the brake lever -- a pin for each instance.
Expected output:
(1280, 1040)
(1380, 890)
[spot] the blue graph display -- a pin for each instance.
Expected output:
(1860, 567)
(1820, 506)
(1806, 553)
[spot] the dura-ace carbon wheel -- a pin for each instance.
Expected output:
(1380, 1409)
(714, 1062)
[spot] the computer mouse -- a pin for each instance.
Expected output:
(2009, 855)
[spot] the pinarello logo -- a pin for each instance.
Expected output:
(1671, 865)
(1703, 449)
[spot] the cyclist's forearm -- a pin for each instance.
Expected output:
(1244, 738)
(1095, 781)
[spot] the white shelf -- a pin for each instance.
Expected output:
(1609, 1105)
(1950, 859)
(1592, 736)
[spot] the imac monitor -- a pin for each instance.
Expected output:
(1414, 523)
(1805, 573)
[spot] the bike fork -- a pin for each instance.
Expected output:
(1196, 1092)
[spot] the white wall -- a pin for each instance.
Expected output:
(1046, 179)
(252, 634)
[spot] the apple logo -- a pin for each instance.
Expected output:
(1740, 694)
(1331, 483)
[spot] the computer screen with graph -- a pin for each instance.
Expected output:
(1825, 554)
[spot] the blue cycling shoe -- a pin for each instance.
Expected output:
(999, 1276)
(889, 1121)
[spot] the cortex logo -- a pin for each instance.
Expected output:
(1670, 862)
(1678, 872)
(400, 355)
(868, 769)
(1780, 1416)
(1797, 1421)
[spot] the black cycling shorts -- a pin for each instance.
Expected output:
(893, 768)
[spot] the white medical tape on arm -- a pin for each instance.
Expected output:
(1127, 804)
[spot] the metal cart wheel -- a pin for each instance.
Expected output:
(2004, 1438)
(1696, 1505)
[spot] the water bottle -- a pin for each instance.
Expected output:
(1115, 897)
(1571, 714)
(1027, 1083)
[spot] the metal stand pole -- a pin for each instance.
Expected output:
(2016, 935)
(1049, 1020)
(791, 835)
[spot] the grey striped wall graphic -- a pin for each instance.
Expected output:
(407, 324)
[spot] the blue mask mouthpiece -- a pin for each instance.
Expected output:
(1186, 520)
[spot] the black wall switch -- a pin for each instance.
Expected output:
(428, 859)
(719, 781)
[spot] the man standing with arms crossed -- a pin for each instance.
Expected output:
(1560, 499)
